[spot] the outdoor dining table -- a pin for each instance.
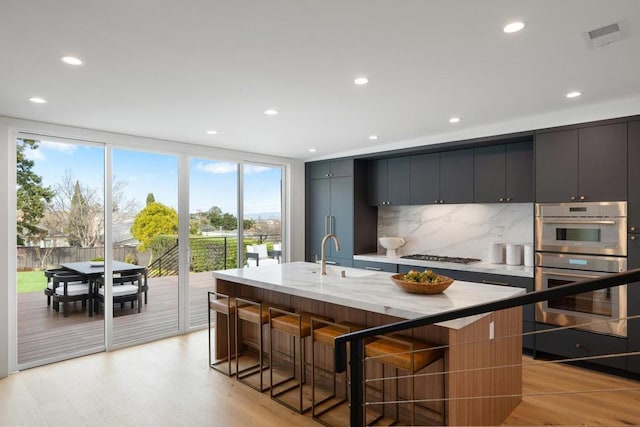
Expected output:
(94, 269)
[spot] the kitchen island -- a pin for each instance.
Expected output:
(483, 356)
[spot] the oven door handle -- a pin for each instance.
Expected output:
(581, 276)
(570, 221)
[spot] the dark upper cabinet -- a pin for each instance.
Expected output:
(589, 164)
(557, 166)
(489, 174)
(335, 168)
(341, 219)
(445, 177)
(424, 179)
(633, 191)
(519, 172)
(456, 176)
(388, 182)
(602, 162)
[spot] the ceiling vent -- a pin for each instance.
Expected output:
(606, 35)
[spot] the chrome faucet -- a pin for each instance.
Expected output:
(324, 251)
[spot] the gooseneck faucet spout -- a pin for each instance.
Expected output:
(324, 251)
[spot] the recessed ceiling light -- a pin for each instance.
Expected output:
(513, 27)
(212, 132)
(454, 119)
(271, 112)
(573, 94)
(312, 150)
(37, 100)
(373, 137)
(71, 60)
(360, 81)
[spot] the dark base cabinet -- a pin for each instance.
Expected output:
(572, 343)
(376, 266)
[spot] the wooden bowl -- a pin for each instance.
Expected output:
(422, 288)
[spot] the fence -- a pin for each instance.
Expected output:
(36, 258)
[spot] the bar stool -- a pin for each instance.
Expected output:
(401, 352)
(256, 313)
(225, 305)
(325, 332)
(296, 325)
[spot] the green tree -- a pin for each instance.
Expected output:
(150, 198)
(224, 220)
(154, 220)
(32, 196)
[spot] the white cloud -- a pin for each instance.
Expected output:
(35, 155)
(251, 169)
(58, 146)
(217, 167)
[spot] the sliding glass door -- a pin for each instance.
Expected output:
(60, 215)
(213, 231)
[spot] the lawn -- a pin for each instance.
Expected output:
(31, 281)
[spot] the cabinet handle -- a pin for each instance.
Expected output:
(632, 229)
(501, 200)
(326, 224)
(508, 199)
(441, 201)
(582, 197)
(573, 198)
(489, 282)
(373, 268)
(332, 224)
(632, 237)
(436, 201)
(578, 345)
(331, 262)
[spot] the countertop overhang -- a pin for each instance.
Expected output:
(478, 267)
(366, 290)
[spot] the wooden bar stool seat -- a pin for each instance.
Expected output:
(401, 352)
(256, 313)
(226, 306)
(298, 327)
(325, 333)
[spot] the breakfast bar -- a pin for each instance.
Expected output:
(483, 353)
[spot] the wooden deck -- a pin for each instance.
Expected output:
(44, 334)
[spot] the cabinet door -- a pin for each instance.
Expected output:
(557, 166)
(377, 183)
(424, 179)
(398, 178)
(341, 220)
(489, 174)
(318, 210)
(318, 170)
(456, 176)
(602, 165)
(634, 178)
(519, 172)
(341, 168)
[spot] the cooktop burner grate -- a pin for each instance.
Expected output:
(441, 258)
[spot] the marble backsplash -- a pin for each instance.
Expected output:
(465, 230)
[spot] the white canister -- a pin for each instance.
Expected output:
(514, 254)
(528, 255)
(496, 253)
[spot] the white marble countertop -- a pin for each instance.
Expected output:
(478, 267)
(366, 290)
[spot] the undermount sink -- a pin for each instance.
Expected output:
(337, 272)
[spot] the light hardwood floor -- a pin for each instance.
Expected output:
(169, 383)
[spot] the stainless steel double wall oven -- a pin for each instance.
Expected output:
(575, 242)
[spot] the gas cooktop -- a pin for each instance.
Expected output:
(441, 258)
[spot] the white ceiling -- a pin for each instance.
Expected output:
(173, 69)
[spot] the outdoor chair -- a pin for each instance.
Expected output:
(69, 288)
(126, 288)
(258, 255)
(48, 291)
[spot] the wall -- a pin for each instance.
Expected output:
(4, 248)
(465, 230)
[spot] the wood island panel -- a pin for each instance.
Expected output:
(477, 368)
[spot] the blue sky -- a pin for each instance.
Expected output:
(212, 183)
